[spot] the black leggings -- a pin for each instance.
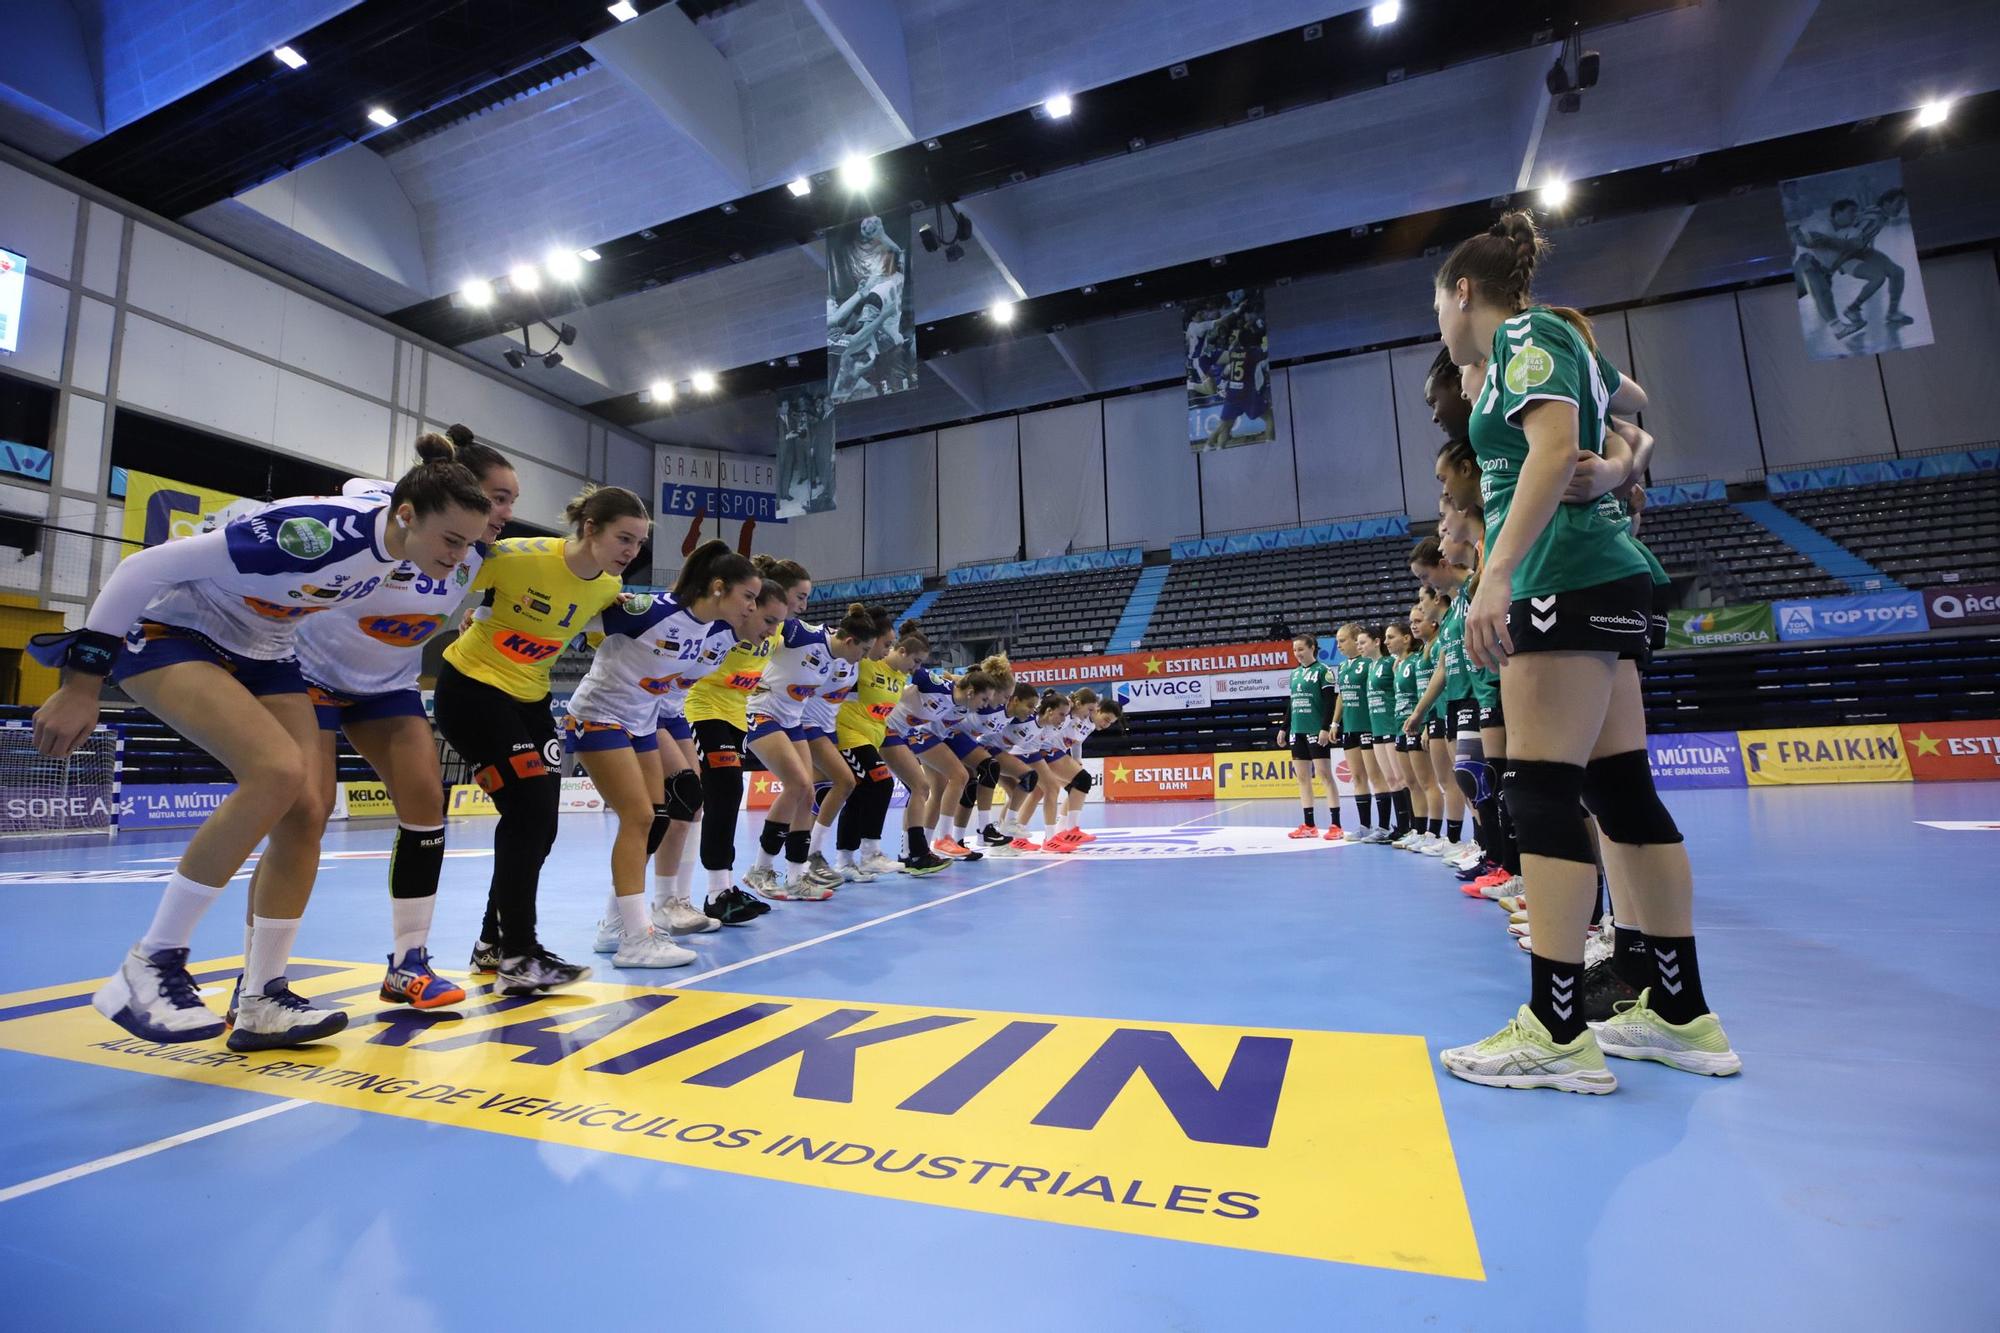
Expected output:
(517, 761)
(868, 808)
(718, 748)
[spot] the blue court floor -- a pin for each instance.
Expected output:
(1218, 1062)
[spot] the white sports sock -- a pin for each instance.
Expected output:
(765, 860)
(944, 827)
(631, 911)
(246, 942)
(270, 949)
(180, 910)
(818, 843)
(683, 881)
(411, 920)
(718, 882)
(871, 847)
(611, 904)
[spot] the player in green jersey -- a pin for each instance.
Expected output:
(1562, 610)
(1392, 797)
(1399, 645)
(1314, 693)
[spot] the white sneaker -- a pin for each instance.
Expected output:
(610, 934)
(1597, 947)
(1523, 1055)
(1467, 856)
(803, 889)
(280, 1018)
(1438, 847)
(879, 864)
(154, 999)
(819, 871)
(853, 872)
(760, 879)
(677, 916)
(651, 950)
(1506, 888)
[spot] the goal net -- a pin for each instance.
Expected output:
(78, 794)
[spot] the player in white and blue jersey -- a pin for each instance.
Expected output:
(209, 625)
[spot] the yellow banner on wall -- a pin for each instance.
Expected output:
(159, 509)
(1824, 754)
(1322, 1145)
(367, 800)
(467, 799)
(1249, 775)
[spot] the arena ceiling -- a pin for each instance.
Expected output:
(1295, 144)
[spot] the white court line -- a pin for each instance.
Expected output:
(13, 1192)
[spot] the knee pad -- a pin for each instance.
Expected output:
(1027, 780)
(683, 796)
(1619, 790)
(1544, 800)
(970, 796)
(1080, 784)
(657, 834)
(1473, 774)
(988, 774)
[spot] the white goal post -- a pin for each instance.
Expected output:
(40, 796)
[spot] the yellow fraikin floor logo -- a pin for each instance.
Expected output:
(1326, 1145)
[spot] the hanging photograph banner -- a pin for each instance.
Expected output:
(1228, 371)
(805, 451)
(1854, 262)
(159, 509)
(871, 324)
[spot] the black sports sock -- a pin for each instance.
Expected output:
(1437, 827)
(1385, 808)
(1632, 956)
(772, 838)
(1309, 817)
(1453, 828)
(919, 845)
(1676, 993)
(1554, 999)
(1399, 801)
(1361, 808)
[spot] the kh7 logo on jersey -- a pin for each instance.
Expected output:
(1322, 1145)
(306, 538)
(405, 631)
(526, 647)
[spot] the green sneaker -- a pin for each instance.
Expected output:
(1523, 1055)
(1635, 1032)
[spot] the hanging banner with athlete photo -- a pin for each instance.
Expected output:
(1854, 262)
(805, 451)
(1228, 370)
(871, 320)
(159, 509)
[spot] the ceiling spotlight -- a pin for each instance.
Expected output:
(1382, 15)
(524, 277)
(932, 145)
(381, 117)
(703, 382)
(729, 210)
(478, 293)
(792, 361)
(1058, 106)
(552, 360)
(1177, 71)
(800, 188)
(1090, 289)
(623, 11)
(661, 391)
(1555, 194)
(589, 256)
(857, 173)
(291, 58)
(1933, 113)
(563, 265)
(1002, 312)
(515, 357)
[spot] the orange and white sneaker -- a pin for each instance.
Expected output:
(950, 847)
(1336, 834)
(1303, 831)
(1058, 841)
(1024, 843)
(1082, 837)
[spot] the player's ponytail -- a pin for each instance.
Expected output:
(857, 624)
(1500, 262)
(438, 481)
(482, 460)
(711, 564)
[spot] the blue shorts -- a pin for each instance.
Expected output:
(677, 727)
(811, 733)
(920, 744)
(582, 737)
(336, 709)
(962, 745)
(1049, 756)
(890, 740)
(763, 724)
(151, 645)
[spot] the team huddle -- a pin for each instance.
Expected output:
(266, 639)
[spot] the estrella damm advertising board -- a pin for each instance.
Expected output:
(1324, 1145)
(1824, 754)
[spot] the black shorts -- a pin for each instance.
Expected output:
(1614, 617)
(1464, 717)
(1491, 716)
(1436, 730)
(1663, 601)
(1408, 744)
(1356, 740)
(1308, 748)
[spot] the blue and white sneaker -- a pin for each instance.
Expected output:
(154, 999)
(281, 1018)
(415, 983)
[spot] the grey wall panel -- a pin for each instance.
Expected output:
(979, 492)
(1149, 470)
(1062, 471)
(1808, 411)
(1689, 355)
(901, 530)
(1344, 420)
(1946, 395)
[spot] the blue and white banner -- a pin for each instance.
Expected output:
(1881, 613)
(1052, 564)
(1684, 492)
(1696, 759)
(1163, 694)
(1959, 464)
(723, 487)
(1284, 539)
(25, 460)
(167, 805)
(856, 590)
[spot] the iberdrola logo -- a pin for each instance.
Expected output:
(1529, 367)
(1702, 623)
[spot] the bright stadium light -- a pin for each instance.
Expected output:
(381, 117)
(623, 11)
(1555, 194)
(857, 173)
(1933, 113)
(478, 293)
(292, 59)
(524, 277)
(563, 265)
(703, 382)
(1382, 15)
(588, 255)
(1002, 312)
(800, 188)
(1058, 106)
(662, 391)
